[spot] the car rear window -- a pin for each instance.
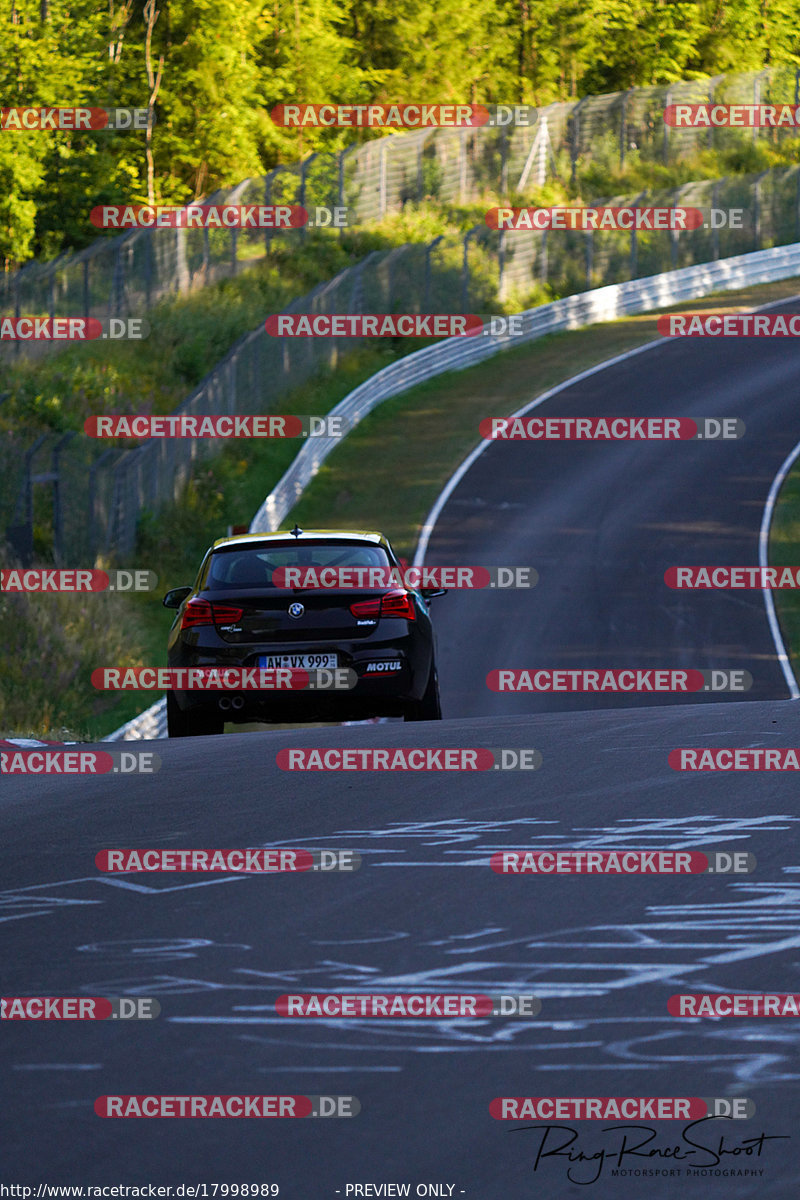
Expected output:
(254, 566)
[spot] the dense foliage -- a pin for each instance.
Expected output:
(216, 68)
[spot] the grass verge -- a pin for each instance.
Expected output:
(415, 442)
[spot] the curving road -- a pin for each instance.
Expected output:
(600, 523)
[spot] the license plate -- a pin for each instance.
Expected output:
(300, 662)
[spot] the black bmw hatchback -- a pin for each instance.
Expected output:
(251, 607)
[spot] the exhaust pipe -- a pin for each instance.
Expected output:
(238, 703)
(224, 703)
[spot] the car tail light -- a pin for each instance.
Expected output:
(366, 608)
(396, 603)
(202, 612)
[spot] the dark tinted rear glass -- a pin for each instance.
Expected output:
(245, 566)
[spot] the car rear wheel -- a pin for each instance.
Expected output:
(429, 708)
(191, 724)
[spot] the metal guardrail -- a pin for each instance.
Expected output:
(149, 725)
(456, 354)
(600, 304)
(89, 500)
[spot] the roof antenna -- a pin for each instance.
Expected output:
(296, 531)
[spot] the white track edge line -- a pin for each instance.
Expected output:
(474, 455)
(766, 520)
(763, 545)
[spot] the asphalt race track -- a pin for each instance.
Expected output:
(601, 523)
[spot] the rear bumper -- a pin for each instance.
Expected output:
(389, 675)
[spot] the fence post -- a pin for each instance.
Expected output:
(665, 143)
(465, 272)
(86, 292)
(757, 211)
(303, 187)
(714, 229)
(58, 516)
(575, 119)
(623, 128)
(589, 257)
(22, 541)
(340, 193)
(93, 522)
(17, 312)
(428, 250)
(343, 156)
(114, 293)
(382, 176)
(635, 238)
(673, 233)
(267, 201)
(182, 277)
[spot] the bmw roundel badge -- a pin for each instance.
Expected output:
(296, 610)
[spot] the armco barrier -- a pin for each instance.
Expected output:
(97, 496)
(150, 725)
(456, 354)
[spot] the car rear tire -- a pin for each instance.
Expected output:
(429, 708)
(191, 724)
(176, 718)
